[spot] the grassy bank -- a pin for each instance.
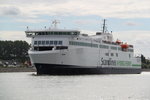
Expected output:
(17, 69)
(146, 70)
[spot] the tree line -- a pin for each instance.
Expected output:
(14, 50)
(145, 62)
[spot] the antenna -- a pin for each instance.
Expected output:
(55, 22)
(104, 26)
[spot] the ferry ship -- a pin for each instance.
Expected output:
(63, 51)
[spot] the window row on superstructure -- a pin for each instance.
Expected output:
(114, 54)
(53, 33)
(104, 46)
(121, 49)
(83, 44)
(130, 50)
(48, 42)
(96, 46)
(113, 48)
(111, 54)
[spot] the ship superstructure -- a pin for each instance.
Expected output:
(63, 51)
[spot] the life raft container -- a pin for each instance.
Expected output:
(124, 46)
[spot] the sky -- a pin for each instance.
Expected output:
(129, 20)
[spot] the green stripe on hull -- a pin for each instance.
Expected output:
(136, 65)
(124, 63)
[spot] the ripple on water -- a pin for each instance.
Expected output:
(28, 85)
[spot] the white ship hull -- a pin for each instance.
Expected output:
(81, 61)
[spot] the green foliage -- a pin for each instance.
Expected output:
(14, 50)
(145, 62)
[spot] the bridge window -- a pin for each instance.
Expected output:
(46, 33)
(39, 33)
(39, 42)
(47, 42)
(35, 42)
(68, 33)
(56, 33)
(51, 42)
(55, 42)
(75, 33)
(43, 42)
(60, 42)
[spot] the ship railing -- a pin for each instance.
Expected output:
(30, 34)
(114, 43)
(108, 42)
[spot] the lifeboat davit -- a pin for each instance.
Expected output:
(124, 46)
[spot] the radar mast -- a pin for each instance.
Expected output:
(104, 26)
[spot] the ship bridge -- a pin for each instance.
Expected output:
(50, 39)
(58, 32)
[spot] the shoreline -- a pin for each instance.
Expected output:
(145, 70)
(17, 69)
(32, 69)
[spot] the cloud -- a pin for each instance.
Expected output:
(131, 24)
(85, 21)
(14, 35)
(103, 8)
(9, 11)
(31, 20)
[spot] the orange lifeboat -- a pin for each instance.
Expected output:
(118, 41)
(124, 46)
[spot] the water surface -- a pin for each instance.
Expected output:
(28, 86)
